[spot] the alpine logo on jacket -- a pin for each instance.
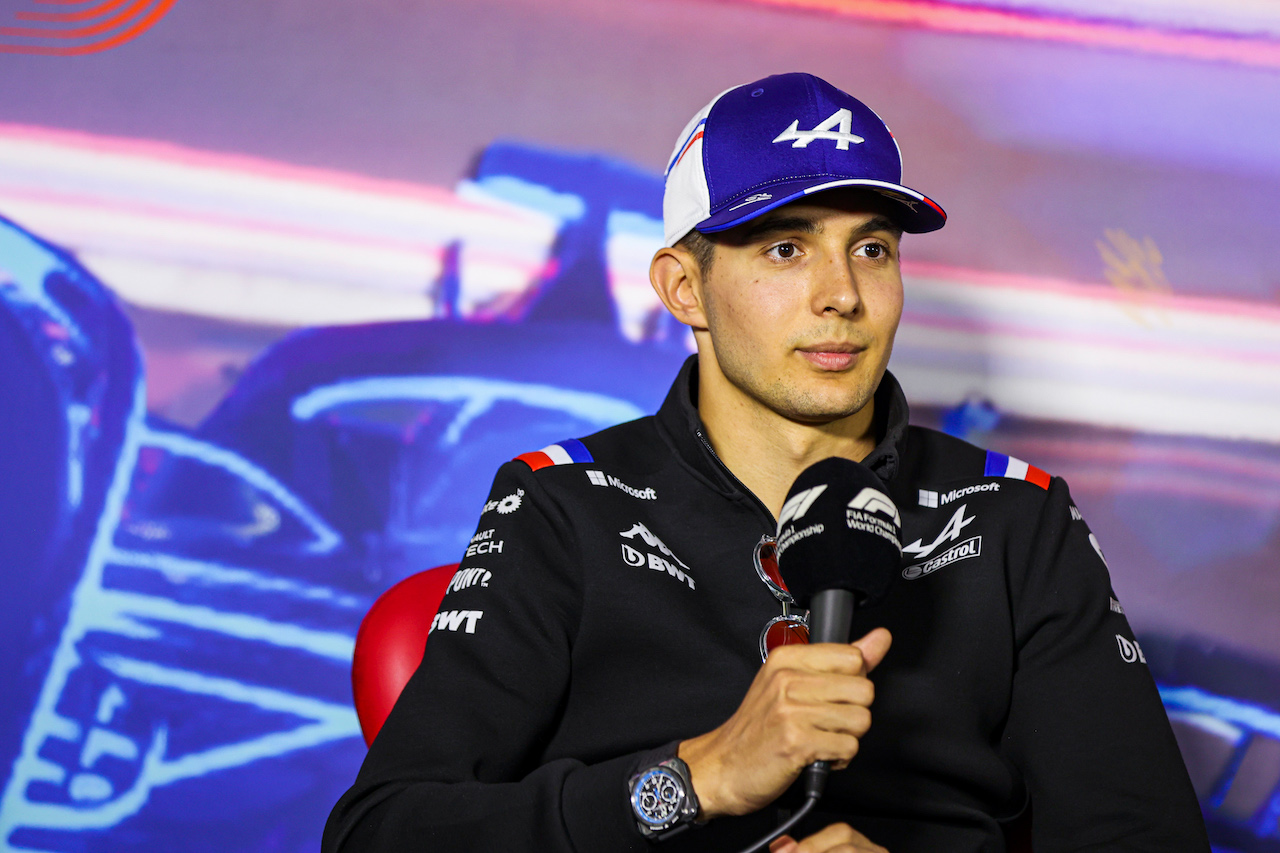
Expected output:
(959, 521)
(664, 561)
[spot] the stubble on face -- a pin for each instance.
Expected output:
(806, 399)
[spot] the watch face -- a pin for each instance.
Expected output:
(657, 796)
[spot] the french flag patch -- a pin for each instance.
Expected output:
(999, 465)
(562, 453)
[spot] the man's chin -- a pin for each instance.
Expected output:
(823, 412)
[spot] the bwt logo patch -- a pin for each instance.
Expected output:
(101, 26)
(835, 127)
(1130, 651)
(452, 620)
(636, 558)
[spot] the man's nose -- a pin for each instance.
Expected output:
(836, 287)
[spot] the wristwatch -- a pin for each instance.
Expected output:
(663, 800)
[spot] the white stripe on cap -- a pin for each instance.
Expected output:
(686, 200)
(865, 182)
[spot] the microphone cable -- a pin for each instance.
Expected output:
(811, 800)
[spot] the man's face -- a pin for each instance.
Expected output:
(802, 305)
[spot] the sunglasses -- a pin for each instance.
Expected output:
(789, 628)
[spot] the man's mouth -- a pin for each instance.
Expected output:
(831, 356)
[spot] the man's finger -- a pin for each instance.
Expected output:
(874, 646)
(783, 844)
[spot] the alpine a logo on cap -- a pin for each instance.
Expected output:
(841, 120)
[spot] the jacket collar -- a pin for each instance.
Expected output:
(679, 422)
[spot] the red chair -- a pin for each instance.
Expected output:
(390, 641)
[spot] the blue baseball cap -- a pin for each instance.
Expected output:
(761, 145)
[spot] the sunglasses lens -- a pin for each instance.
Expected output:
(783, 631)
(766, 559)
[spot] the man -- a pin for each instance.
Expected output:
(598, 686)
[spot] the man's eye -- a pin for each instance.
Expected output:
(874, 251)
(784, 250)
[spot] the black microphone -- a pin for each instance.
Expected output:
(839, 545)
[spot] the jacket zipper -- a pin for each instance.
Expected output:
(742, 486)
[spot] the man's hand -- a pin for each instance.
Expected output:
(806, 704)
(836, 838)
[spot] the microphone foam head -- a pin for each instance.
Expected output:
(839, 530)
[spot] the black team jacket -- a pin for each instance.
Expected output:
(608, 605)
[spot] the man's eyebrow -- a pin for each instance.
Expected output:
(763, 227)
(879, 223)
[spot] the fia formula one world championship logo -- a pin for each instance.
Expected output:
(75, 27)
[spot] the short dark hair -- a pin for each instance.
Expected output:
(702, 249)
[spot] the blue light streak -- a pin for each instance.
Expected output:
(477, 395)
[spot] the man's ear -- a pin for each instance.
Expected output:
(677, 279)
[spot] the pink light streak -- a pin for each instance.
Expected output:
(167, 152)
(1095, 291)
(1135, 38)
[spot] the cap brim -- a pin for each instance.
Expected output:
(915, 212)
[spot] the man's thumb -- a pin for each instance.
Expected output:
(874, 645)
